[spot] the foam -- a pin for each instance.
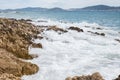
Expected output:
(74, 53)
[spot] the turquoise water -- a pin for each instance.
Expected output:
(104, 18)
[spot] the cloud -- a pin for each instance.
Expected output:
(55, 3)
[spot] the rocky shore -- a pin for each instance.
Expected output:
(15, 38)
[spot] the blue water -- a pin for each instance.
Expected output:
(104, 18)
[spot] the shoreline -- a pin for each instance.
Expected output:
(25, 34)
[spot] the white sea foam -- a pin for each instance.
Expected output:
(74, 53)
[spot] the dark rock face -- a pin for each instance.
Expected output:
(94, 76)
(76, 29)
(117, 78)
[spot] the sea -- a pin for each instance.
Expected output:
(74, 53)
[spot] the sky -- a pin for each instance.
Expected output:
(66, 4)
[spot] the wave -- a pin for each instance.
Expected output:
(76, 53)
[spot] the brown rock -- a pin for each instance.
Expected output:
(94, 76)
(76, 29)
(6, 76)
(35, 45)
(12, 65)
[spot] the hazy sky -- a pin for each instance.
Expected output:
(5, 4)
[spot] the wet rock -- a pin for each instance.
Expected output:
(118, 40)
(102, 34)
(99, 28)
(117, 78)
(38, 37)
(35, 45)
(94, 76)
(55, 28)
(76, 29)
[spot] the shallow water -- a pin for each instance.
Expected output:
(74, 53)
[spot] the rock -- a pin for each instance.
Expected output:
(13, 65)
(6, 76)
(35, 45)
(55, 28)
(117, 78)
(16, 36)
(102, 34)
(29, 20)
(94, 76)
(76, 29)
(118, 40)
(99, 28)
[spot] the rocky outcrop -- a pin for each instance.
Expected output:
(15, 38)
(94, 76)
(76, 29)
(13, 65)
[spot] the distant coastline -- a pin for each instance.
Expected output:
(89, 8)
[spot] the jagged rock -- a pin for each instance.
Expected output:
(35, 45)
(6, 76)
(117, 78)
(76, 29)
(55, 28)
(94, 76)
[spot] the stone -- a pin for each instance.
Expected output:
(76, 29)
(94, 76)
(118, 40)
(55, 28)
(35, 45)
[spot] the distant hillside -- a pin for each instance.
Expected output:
(56, 9)
(97, 7)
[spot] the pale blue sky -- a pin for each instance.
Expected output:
(5, 4)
